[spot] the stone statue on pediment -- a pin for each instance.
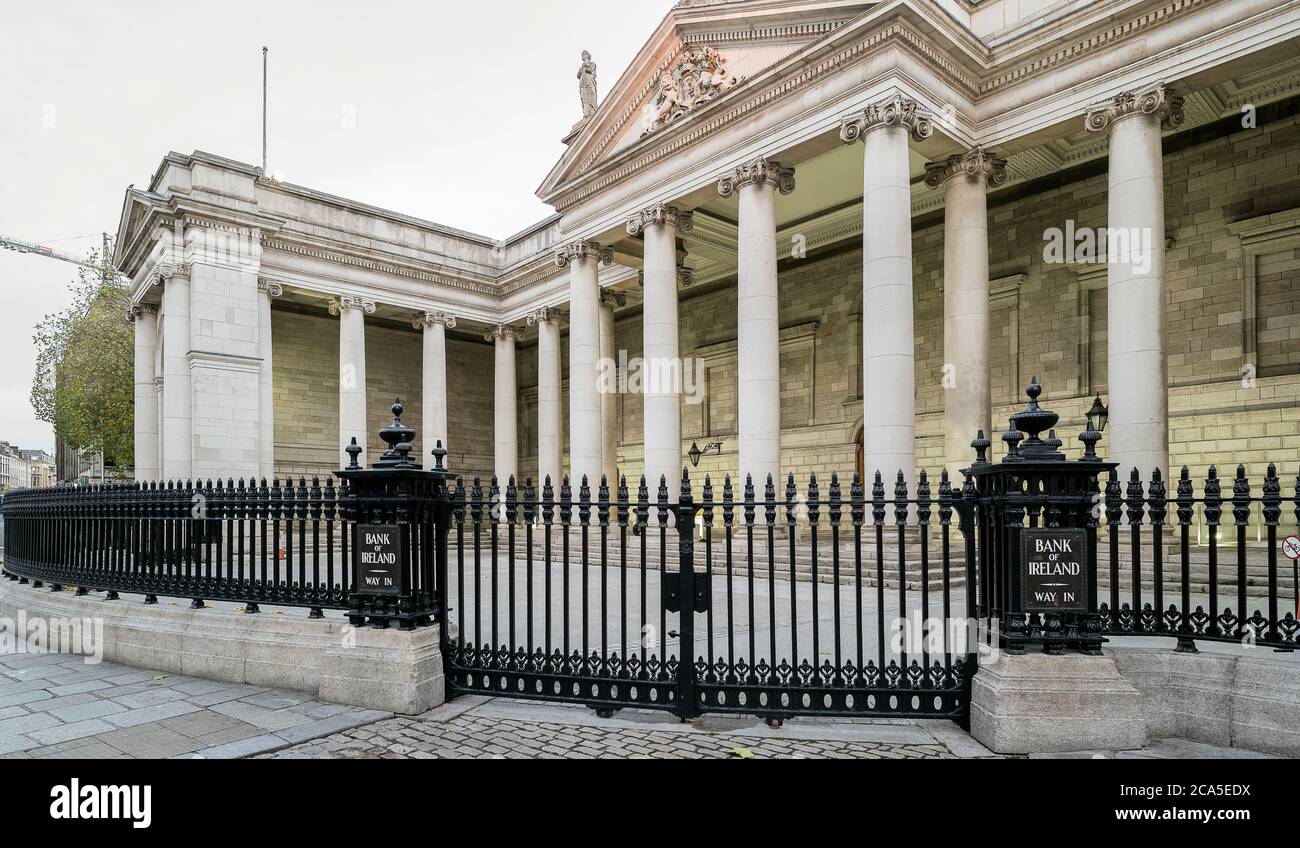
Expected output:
(587, 85)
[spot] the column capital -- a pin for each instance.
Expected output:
(501, 331)
(137, 310)
(659, 214)
(341, 304)
(758, 171)
(167, 270)
(896, 111)
(428, 319)
(545, 314)
(976, 162)
(685, 278)
(612, 298)
(576, 250)
(1157, 101)
(273, 289)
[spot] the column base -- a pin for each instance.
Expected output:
(1035, 704)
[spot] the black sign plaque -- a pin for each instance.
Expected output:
(1054, 570)
(379, 559)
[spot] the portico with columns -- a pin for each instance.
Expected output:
(819, 236)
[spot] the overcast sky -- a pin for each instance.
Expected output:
(450, 111)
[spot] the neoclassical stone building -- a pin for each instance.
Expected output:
(854, 229)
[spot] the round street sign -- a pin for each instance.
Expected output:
(1291, 547)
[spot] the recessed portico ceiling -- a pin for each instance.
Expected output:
(823, 182)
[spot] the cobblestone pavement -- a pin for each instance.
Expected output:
(57, 705)
(479, 728)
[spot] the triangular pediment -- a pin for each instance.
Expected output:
(136, 210)
(702, 52)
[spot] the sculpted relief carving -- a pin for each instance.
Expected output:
(697, 77)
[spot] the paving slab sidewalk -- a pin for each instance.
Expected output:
(59, 706)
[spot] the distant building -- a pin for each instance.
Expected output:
(15, 472)
(41, 466)
(24, 469)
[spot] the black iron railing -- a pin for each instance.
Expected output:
(1232, 585)
(834, 599)
(281, 543)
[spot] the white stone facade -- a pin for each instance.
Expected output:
(837, 252)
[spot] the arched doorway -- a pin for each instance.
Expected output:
(858, 440)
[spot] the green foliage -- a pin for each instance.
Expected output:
(84, 381)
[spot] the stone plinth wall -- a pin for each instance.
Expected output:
(394, 670)
(1239, 697)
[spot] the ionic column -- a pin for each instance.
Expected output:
(609, 419)
(505, 431)
(965, 179)
(177, 435)
(586, 446)
(352, 312)
(1137, 371)
(157, 410)
(550, 417)
(662, 390)
(888, 358)
(266, 395)
(145, 318)
(758, 328)
(433, 389)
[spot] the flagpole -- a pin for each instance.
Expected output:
(264, 172)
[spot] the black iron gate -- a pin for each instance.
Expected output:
(848, 603)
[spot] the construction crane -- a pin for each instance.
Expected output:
(20, 246)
